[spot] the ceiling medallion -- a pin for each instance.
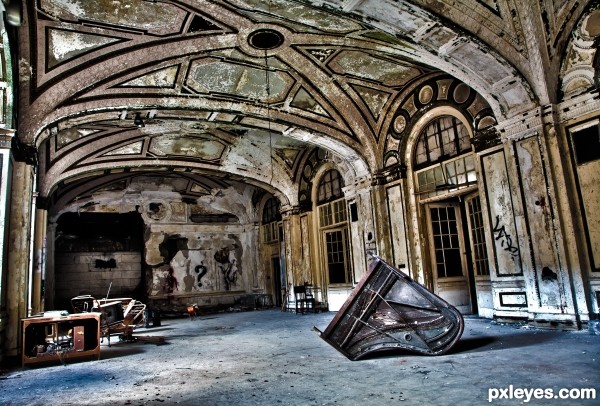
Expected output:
(265, 39)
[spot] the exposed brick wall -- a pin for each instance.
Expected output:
(77, 274)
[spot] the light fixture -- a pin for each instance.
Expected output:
(138, 120)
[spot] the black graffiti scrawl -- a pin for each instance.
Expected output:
(228, 267)
(201, 270)
(505, 239)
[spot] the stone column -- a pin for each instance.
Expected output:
(295, 270)
(18, 253)
(39, 259)
(48, 285)
(362, 229)
(389, 216)
(292, 238)
(5, 145)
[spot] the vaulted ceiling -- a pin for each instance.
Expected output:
(223, 92)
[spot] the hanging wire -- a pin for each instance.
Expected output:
(268, 89)
(268, 84)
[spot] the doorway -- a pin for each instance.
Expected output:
(448, 255)
(458, 254)
(336, 245)
(278, 287)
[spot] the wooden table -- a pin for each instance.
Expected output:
(56, 337)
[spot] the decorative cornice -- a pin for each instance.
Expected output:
(579, 106)
(486, 138)
(389, 175)
(23, 152)
(287, 211)
(532, 122)
(359, 185)
(522, 126)
(6, 137)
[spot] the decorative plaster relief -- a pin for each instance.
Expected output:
(69, 135)
(363, 65)
(578, 70)
(215, 76)
(302, 14)
(160, 19)
(64, 45)
(457, 96)
(162, 78)
(373, 98)
(304, 101)
(130, 149)
(320, 54)
(204, 148)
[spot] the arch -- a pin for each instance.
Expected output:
(330, 186)
(454, 144)
(580, 66)
(271, 210)
(317, 175)
(424, 120)
(507, 98)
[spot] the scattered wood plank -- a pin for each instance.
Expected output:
(150, 339)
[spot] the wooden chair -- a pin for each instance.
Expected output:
(305, 300)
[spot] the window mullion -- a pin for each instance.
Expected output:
(456, 136)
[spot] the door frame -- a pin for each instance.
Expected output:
(450, 282)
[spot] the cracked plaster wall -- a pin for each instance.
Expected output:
(227, 249)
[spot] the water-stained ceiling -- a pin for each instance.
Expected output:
(215, 93)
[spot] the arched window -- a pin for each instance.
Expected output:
(270, 220)
(443, 138)
(443, 160)
(332, 206)
(271, 211)
(330, 187)
(333, 225)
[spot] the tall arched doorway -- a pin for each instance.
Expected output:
(334, 238)
(451, 220)
(272, 238)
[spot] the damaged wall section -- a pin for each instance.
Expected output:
(96, 252)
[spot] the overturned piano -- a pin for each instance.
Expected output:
(388, 310)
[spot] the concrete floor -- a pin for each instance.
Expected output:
(269, 357)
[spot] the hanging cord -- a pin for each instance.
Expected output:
(268, 89)
(268, 84)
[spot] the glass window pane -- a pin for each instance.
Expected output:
(464, 142)
(453, 262)
(442, 136)
(422, 180)
(420, 153)
(449, 142)
(330, 186)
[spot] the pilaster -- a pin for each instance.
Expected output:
(364, 234)
(292, 235)
(535, 166)
(48, 278)
(19, 235)
(39, 254)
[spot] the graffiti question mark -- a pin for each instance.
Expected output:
(201, 270)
